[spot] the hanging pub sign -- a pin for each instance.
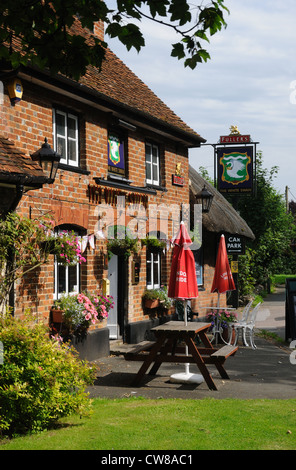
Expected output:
(235, 169)
(116, 163)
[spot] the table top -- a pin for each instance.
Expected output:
(180, 326)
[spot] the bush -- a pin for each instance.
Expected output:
(41, 380)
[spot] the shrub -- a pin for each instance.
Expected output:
(41, 380)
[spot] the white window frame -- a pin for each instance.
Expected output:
(66, 159)
(57, 294)
(152, 259)
(151, 164)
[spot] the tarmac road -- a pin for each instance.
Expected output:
(265, 372)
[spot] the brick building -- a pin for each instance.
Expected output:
(120, 146)
(82, 121)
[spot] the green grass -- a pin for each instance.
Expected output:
(140, 424)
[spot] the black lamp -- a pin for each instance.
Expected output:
(205, 198)
(48, 159)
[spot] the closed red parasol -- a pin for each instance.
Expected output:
(183, 285)
(223, 280)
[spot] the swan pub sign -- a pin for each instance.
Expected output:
(235, 164)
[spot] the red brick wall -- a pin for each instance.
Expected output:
(68, 201)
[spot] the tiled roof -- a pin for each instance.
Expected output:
(116, 81)
(16, 166)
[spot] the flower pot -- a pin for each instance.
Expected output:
(57, 315)
(151, 303)
(228, 335)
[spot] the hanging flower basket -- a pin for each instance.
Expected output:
(154, 245)
(121, 242)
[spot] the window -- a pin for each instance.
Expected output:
(65, 136)
(66, 278)
(152, 164)
(153, 270)
(198, 257)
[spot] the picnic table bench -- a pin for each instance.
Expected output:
(170, 346)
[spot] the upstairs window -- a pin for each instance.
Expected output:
(65, 136)
(152, 164)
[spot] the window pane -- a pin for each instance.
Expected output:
(61, 278)
(148, 171)
(148, 272)
(148, 151)
(61, 124)
(72, 278)
(156, 269)
(72, 150)
(61, 147)
(155, 173)
(71, 127)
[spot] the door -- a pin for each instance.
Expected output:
(112, 321)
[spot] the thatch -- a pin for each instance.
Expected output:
(222, 217)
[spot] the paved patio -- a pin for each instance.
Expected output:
(265, 372)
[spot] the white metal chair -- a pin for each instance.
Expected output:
(250, 325)
(241, 324)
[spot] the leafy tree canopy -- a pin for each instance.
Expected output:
(39, 31)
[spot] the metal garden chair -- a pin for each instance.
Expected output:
(240, 325)
(250, 325)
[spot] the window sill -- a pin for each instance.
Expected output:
(124, 186)
(74, 169)
(156, 187)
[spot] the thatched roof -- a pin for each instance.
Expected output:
(222, 216)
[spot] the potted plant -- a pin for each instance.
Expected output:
(157, 297)
(57, 315)
(81, 310)
(224, 319)
(164, 300)
(151, 298)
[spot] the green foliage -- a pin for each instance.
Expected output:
(274, 229)
(121, 242)
(161, 294)
(26, 244)
(154, 244)
(40, 381)
(42, 30)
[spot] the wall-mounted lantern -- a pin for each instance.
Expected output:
(205, 198)
(48, 159)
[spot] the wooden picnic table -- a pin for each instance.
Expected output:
(168, 348)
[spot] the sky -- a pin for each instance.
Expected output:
(249, 82)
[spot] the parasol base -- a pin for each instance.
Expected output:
(186, 377)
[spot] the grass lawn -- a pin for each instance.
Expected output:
(140, 424)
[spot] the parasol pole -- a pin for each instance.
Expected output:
(186, 347)
(216, 320)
